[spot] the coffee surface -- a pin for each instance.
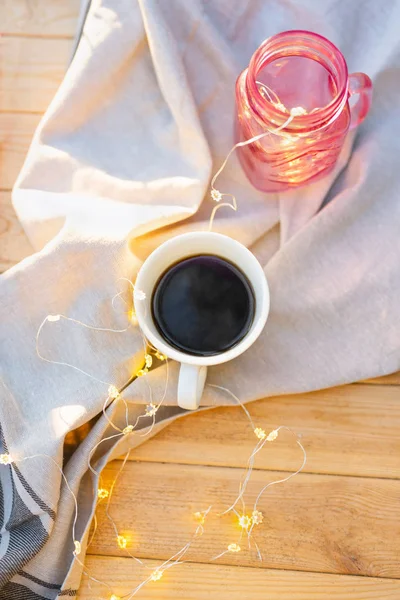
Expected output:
(203, 305)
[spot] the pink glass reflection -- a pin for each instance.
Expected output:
(304, 71)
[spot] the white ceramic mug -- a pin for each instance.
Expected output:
(193, 369)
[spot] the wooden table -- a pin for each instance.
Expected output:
(333, 532)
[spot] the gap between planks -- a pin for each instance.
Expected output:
(352, 430)
(196, 581)
(316, 523)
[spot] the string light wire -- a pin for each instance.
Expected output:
(296, 111)
(215, 193)
(246, 522)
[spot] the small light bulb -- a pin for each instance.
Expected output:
(160, 356)
(5, 459)
(132, 317)
(148, 360)
(199, 517)
(102, 493)
(122, 542)
(234, 548)
(216, 195)
(244, 521)
(53, 318)
(78, 548)
(260, 433)
(151, 410)
(272, 436)
(128, 429)
(142, 372)
(280, 106)
(297, 111)
(156, 575)
(113, 392)
(257, 517)
(114, 597)
(139, 294)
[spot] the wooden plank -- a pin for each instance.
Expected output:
(319, 523)
(351, 430)
(31, 71)
(14, 245)
(393, 379)
(202, 582)
(16, 131)
(39, 17)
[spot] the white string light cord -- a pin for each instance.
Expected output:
(245, 521)
(114, 394)
(296, 111)
(216, 195)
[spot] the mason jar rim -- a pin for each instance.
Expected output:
(298, 42)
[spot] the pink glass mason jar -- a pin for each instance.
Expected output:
(297, 81)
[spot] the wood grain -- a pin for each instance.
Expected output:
(14, 245)
(39, 17)
(351, 430)
(205, 582)
(31, 71)
(16, 131)
(319, 523)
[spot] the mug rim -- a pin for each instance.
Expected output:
(255, 330)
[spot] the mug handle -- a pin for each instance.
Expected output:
(191, 385)
(361, 85)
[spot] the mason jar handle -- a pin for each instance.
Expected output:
(361, 85)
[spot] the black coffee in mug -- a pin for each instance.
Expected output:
(203, 305)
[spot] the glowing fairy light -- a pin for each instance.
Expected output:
(113, 392)
(156, 575)
(257, 517)
(142, 372)
(139, 294)
(132, 317)
(199, 517)
(260, 433)
(122, 542)
(102, 493)
(216, 195)
(297, 111)
(151, 410)
(78, 548)
(5, 459)
(234, 548)
(148, 360)
(272, 436)
(160, 356)
(128, 429)
(244, 521)
(53, 318)
(114, 597)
